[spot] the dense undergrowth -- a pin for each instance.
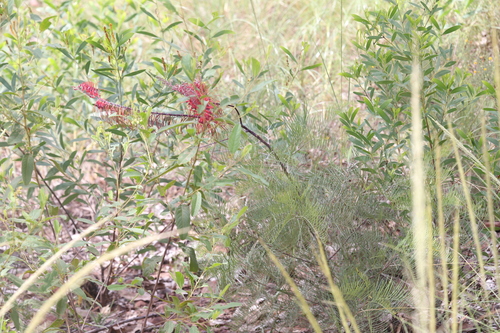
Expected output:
(154, 142)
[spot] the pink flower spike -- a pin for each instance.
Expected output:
(89, 89)
(199, 104)
(112, 108)
(102, 104)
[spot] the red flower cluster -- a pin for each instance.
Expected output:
(89, 89)
(199, 103)
(111, 112)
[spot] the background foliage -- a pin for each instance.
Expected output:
(84, 172)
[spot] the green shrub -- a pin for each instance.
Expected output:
(389, 42)
(137, 156)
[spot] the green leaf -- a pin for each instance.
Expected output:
(459, 89)
(186, 155)
(261, 85)
(435, 23)
(253, 175)
(96, 44)
(61, 306)
(182, 219)
(27, 167)
(179, 279)
(198, 174)
(147, 34)
(116, 287)
(235, 220)
(361, 20)
(117, 132)
(163, 189)
(288, 53)
(81, 46)
(145, 11)
(222, 32)
(450, 30)
(6, 84)
(135, 73)
(226, 306)
(14, 315)
(55, 326)
(369, 104)
(238, 64)
(170, 27)
(194, 329)
(45, 24)
(489, 87)
(169, 6)
(440, 84)
(149, 265)
(193, 262)
(86, 67)
(347, 75)
(168, 327)
(196, 203)
(255, 67)
(125, 37)
(70, 198)
(187, 66)
(246, 150)
(234, 139)
(61, 49)
(197, 22)
(311, 67)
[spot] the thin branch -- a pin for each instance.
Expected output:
(50, 189)
(176, 115)
(122, 322)
(157, 282)
(264, 142)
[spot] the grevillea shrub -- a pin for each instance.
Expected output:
(91, 141)
(114, 128)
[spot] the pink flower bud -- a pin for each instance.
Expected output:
(89, 89)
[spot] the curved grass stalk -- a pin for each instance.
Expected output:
(420, 226)
(346, 315)
(76, 279)
(455, 272)
(490, 192)
(472, 215)
(467, 152)
(441, 226)
(48, 264)
(301, 300)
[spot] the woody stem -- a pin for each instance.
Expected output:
(264, 142)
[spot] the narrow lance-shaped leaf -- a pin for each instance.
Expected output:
(179, 279)
(45, 24)
(222, 32)
(310, 67)
(27, 167)
(182, 220)
(284, 49)
(169, 6)
(193, 262)
(255, 67)
(450, 30)
(234, 139)
(196, 203)
(187, 66)
(145, 11)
